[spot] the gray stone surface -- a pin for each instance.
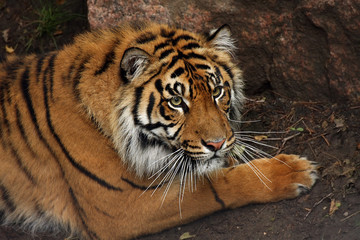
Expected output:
(306, 50)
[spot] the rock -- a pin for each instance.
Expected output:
(305, 50)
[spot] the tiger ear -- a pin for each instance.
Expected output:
(133, 63)
(221, 39)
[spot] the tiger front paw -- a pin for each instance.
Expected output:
(286, 176)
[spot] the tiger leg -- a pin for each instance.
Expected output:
(144, 212)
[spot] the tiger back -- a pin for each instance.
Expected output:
(105, 137)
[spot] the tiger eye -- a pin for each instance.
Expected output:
(217, 91)
(176, 101)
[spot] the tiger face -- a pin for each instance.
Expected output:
(180, 95)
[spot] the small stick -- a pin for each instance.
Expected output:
(317, 203)
(312, 150)
(285, 140)
(307, 128)
(351, 215)
(327, 142)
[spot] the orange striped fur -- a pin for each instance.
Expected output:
(118, 135)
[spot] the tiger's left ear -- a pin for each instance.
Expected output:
(221, 39)
(133, 63)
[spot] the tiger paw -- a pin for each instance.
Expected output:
(286, 176)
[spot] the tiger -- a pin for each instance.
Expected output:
(129, 131)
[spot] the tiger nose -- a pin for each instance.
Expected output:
(214, 145)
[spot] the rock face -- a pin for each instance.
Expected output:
(305, 50)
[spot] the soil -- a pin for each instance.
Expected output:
(328, 133)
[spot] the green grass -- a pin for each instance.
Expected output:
(49, 17)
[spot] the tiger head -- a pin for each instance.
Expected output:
(180, 90)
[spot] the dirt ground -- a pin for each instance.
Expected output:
(328, 133)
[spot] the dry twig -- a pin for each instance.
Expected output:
(317, 203)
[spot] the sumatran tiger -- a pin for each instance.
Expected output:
(127, 132)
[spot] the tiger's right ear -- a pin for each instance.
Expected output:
(221, 39)
(133, 63)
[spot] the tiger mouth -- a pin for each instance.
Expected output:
(207, 164)
(208, 156)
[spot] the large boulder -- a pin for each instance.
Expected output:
(306, 50)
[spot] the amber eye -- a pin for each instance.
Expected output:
(176, 101)
(217, 91)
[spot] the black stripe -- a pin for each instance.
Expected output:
(165, 53)
(202, 66)
(199, 154)
(51, 75)
(162, 113)
(218, 72)
(81, 212)
(5, 90)
(145, 38)
(212, 36)
(72, 67)
(77, 78)
(159, 86)
(191, 91)
(109, 59)
(12, 68)
(39, 64)
(195, 55)
(143, 188)
(103, 212)
(78, 166)
(228, 70)
(152, 126)
(190, 46)
(181, 37)
(189, 68)
(3, 143)
(122, 74)
(3, 111)
(151, 141)
(177, 72)
(176, 133)
(138, 95)
(186, 144)
(22, 131)
(20, 163)
(169, 89)
(28, 101)
(173, 61)
(26, 95)
(217, 198)
(6, 198)
(150, 106)
(179, 88)
(232, 135)
(161, 46)
(167, 34)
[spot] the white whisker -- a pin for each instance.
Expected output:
(172, 175)
(261, 153)
(263, 175)
(256, 132)
(161, 171)
(254, 141)
(167, 156)
(255, 150)
(257, 172)
(241, 121)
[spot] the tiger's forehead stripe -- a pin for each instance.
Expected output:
(146, 38)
